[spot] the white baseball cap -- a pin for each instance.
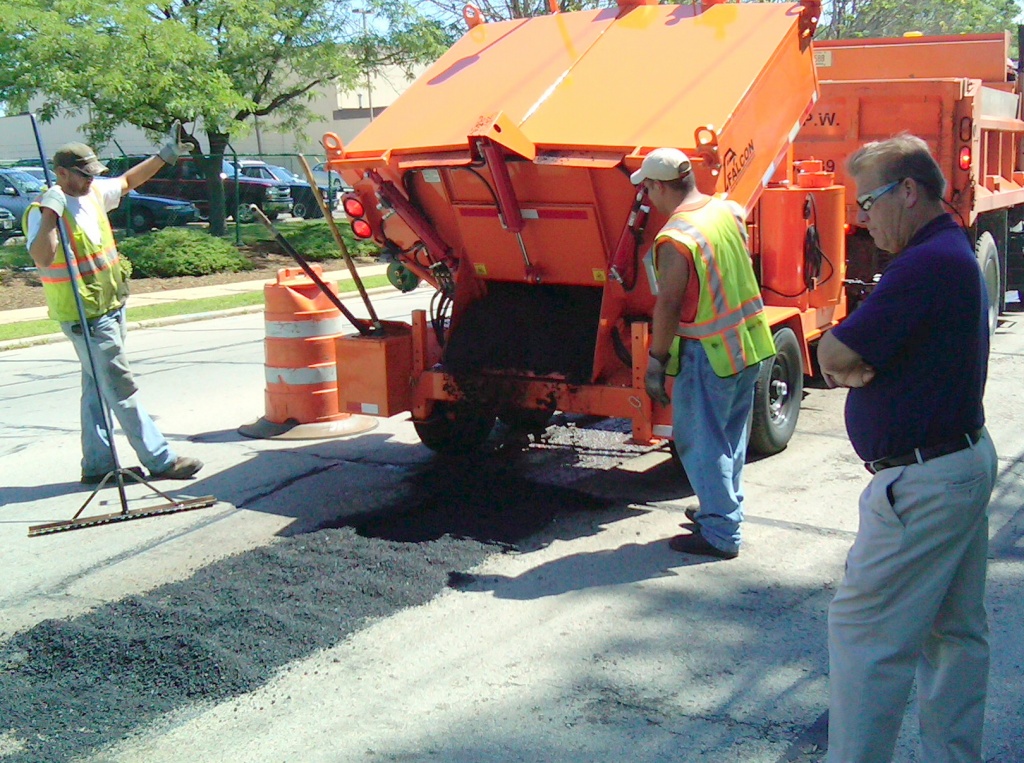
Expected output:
(662, 164)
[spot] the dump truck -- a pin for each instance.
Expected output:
(501, 177)
(959, 93)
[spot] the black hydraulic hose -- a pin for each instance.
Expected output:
(363, 326)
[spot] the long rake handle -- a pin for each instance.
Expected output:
(361, 324)
(339, 241)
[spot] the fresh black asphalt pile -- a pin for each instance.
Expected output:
(68, 687)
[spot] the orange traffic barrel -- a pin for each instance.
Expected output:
(301, 368)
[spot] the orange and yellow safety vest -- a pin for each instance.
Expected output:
(100, 276)
(730, 321)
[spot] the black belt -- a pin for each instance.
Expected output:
(920, 455)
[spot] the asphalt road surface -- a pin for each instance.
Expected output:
(360, 599)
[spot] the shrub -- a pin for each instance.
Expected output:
(181, 252)
(313, 240)
(15, 257)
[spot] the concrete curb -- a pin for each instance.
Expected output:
(31, 341)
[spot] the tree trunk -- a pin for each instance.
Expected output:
(212, 166)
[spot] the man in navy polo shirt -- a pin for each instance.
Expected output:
(915, 357)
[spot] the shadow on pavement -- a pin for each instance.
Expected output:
(629, 563)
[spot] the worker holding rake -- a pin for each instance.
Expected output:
(79, 201)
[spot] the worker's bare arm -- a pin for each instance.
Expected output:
(673, 277)
(44, 245)
(841, 366)
(176, 146)
(140, 173)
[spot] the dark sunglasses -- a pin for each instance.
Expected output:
(867, 200)
(81, 173)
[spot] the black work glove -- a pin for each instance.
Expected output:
(654, 380)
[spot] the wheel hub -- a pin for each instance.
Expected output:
(779, 395)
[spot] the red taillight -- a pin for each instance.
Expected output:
(353, 207)
(361, 228)
(965, 158)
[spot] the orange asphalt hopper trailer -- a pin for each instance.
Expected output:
(501, 176)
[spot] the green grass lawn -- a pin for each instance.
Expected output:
(27, 329)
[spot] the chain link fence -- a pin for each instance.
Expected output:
(221, 189)
(199, 189)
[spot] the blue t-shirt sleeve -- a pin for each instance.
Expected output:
(881, 327)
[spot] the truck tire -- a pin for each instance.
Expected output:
(777, 396)
(455, 428)
(299, 209)
(243, 214)
(988, 260)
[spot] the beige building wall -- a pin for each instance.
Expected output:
(343, 113)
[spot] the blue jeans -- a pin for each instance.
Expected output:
(120, 394)
(710, 426)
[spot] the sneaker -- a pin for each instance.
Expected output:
(183, 468)
(691, 513)
(695, 543)
(95, 479)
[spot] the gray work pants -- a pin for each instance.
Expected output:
(913, 598)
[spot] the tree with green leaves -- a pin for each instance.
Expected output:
(892, 18)
(840, 18)
(451, 10)
(212, 64)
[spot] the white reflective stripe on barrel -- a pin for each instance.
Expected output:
(296, 376)
(305, 329)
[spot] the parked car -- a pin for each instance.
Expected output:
(329, 178)
(7, 224)
(303, 203)
(185, 180)
(147, 212)
(17, 190)
(37, 172)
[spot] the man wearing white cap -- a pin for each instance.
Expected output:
(709, 326)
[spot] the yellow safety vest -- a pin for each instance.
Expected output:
(99, 268)
(730, 321)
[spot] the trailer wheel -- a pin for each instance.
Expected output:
(988, 260)
(455, 428)
(777, 396)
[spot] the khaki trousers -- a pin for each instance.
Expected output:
(913, 598)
